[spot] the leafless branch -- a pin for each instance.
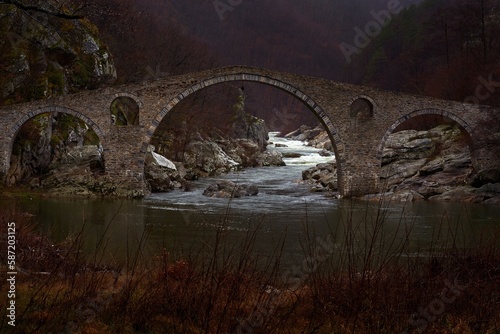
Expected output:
(59, 13)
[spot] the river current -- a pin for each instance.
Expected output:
(182, 221)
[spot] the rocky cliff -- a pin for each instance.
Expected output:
(434, 165)
(52, 146)
(43, 56)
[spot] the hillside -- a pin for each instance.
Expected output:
(443, 48)
(438, 48)
(431, 49)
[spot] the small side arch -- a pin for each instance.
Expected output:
(125, 109)
(132, 96)
(52, 109)
(364, 97)
(361, 107)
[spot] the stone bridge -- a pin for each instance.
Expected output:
(358, 140)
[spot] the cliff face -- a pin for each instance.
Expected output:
(43, 56)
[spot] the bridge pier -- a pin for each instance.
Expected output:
(360, 179)
(124, 161)
(360, 161)
(359, 184)
(486, 162)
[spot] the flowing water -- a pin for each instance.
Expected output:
(284, 208)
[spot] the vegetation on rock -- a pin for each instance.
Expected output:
(47, 143)
(45, 56)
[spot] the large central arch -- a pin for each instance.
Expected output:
(287, 88)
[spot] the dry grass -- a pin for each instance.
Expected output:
(372, 283)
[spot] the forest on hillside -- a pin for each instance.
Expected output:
(455, 41)
(442, 48)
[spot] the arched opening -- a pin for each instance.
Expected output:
(361, 109)
(52, 147)
(427, 155)
(124, 111)
(239, 81)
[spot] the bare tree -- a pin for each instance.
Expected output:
(55, 9)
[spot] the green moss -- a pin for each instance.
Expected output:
(83, 71)
(80, 75)
(65, 124)
(90, 27)
(39, 90)
(239, 106)
(30, 133)
(55, 140)
(8, 102)
(91, 138)
(56, 80)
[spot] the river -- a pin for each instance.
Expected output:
(184, 221)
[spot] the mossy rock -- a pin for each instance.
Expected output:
(44, 40)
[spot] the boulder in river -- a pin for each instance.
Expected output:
(322, 177)
(208, 158)
(292, 155)
(162, 174)
(270, 158)
(228, 189)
